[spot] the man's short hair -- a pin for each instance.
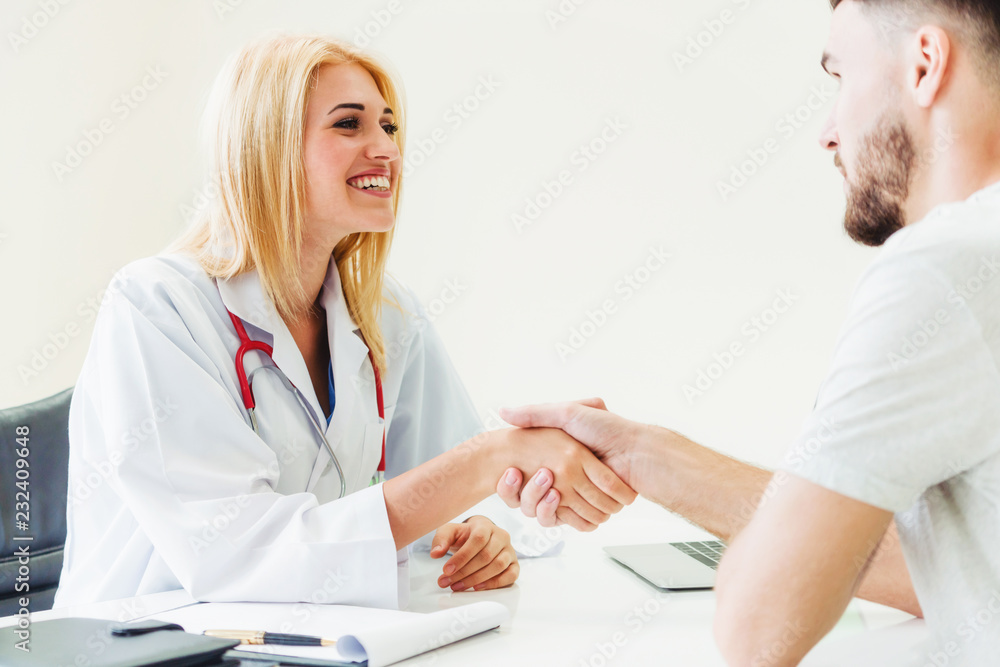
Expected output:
(974, 23)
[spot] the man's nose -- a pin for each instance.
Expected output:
(828, 138)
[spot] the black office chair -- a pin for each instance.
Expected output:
(48, 460)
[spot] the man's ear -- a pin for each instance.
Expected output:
(929, 64)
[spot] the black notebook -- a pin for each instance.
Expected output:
(97, 643)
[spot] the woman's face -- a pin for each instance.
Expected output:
(352, 165)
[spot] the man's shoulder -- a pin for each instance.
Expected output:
(955, 244)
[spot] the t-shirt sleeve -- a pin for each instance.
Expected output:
(913, 395)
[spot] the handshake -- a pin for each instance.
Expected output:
(574, 463)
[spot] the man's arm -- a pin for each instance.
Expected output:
(714, 491)
(788, 576)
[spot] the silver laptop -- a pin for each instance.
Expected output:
(672, 565)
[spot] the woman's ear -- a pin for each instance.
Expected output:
(930, 64)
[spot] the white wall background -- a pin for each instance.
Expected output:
(558, 84)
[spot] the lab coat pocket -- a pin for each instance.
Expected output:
(372, 452)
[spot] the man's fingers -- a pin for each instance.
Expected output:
(605, 479)
(552, 415)
(597, 499)
(584, 509)
(597, 403)
(574, 520)
(545, 511)
(509, 487)
(536, 489)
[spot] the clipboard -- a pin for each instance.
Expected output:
(366, 637)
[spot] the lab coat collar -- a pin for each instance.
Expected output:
(348, 350)
(244, 296)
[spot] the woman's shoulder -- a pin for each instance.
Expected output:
(169, 279)
(167, 268)
(404, 318)
(399, 296)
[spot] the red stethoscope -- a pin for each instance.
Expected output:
(246, 389)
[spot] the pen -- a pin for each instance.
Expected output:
(261, 637)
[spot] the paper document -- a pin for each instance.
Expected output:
(380, 636)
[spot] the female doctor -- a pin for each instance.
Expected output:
(246, 393)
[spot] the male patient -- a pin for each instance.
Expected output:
(907, 424)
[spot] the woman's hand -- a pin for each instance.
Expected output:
(483, 556)
(536, 498)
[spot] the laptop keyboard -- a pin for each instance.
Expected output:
(709, 553)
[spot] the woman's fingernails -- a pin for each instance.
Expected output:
(511, 478)
(444, 582)
(448, 569)
(550, 497)
(541, 479)
(457, 587)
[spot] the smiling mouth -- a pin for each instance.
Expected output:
(376, 183)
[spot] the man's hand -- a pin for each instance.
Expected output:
(610, 437)
(483, 556)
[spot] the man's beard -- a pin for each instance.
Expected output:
(884, 169)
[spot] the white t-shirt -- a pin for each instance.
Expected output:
(908, 418)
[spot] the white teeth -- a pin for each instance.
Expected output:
(380, 183)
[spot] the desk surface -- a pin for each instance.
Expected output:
(581, 609)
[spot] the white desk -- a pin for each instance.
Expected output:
(581, 609)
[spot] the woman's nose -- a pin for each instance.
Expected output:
(383, 147)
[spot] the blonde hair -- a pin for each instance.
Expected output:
(254, 127)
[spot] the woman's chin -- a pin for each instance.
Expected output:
(377, 226)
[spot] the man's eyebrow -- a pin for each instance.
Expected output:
(827, 58)
(355, 105)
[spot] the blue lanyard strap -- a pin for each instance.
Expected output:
(329, 386)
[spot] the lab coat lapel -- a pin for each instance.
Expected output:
(245, 297)
(347, 354)
(353, 379)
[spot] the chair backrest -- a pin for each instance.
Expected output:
(44, 515)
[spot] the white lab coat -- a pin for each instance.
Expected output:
(169, 486)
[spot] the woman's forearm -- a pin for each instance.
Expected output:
(422, 499)
(426, 497)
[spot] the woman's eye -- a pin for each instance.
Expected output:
(353, 124)
(348, 124)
